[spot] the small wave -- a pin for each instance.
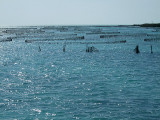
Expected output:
(37, 110)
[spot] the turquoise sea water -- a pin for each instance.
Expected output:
(39, 81)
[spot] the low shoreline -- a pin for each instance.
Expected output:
(148, 25)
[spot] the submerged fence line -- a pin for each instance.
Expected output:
(46, 35)
(123, 35)
(9, 39)
(74, 38)
(152, 39)
(113, 42)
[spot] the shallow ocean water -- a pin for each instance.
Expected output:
(47, 83)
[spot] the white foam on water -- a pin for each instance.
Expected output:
(37, 110)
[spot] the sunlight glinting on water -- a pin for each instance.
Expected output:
(48, 78)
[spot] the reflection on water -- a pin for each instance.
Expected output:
(38, 80)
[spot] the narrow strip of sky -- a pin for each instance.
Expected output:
(78, 12)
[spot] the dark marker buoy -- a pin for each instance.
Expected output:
(137, 49)
(92, 49)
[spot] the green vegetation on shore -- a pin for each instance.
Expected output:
(149, 25)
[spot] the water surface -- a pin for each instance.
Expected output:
(114, 83)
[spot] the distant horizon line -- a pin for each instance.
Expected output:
(11, 26)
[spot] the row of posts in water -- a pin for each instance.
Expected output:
(137, 49)
(93, 49)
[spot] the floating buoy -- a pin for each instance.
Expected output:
(92, 49)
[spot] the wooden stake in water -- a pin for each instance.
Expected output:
(39, 49)
(137, 49)
(64, 47)
(151, 49)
